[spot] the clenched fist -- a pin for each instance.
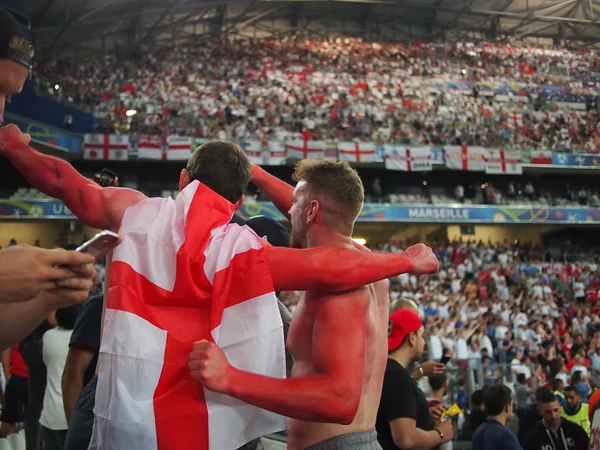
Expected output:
(209, 366)
(423, 259)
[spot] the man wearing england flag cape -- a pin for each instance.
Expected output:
(184, 274)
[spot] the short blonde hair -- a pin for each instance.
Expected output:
(337, 182)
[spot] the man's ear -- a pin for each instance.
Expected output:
(184, 179)
(313, 211)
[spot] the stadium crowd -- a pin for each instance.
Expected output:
(343, 89)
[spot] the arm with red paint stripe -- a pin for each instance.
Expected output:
(338, 269)
(94, 205)
(332, 394)
(278, 191)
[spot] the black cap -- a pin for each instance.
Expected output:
(13, 43)
(268, 229)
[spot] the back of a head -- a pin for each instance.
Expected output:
(437, 382)
(496, 399)
(66, 317)
(557, 384)
(336, 184)
(223, 167)
(521, 378)
(477, 398)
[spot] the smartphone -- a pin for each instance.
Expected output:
(100, 245)
(445, 359)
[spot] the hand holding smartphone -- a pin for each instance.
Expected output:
(100, 244)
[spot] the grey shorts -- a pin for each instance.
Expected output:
(362, 440)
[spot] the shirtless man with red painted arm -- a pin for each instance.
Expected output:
(98, 207)
(338, 341)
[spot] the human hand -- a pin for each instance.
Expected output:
(209, 366)
(432, 368)
(26, 271)
(447, 428)
(11, 136)
(436, 412)
(423, 259)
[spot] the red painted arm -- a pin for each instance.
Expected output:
(278, 191)
(332, 269)
(332, 394)
(94, 205)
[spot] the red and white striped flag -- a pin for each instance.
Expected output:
(465, 158)
(301, 149)
(151, 147)
(190, 275)
(541, 157)
(106, 147)
(277, 155)
(503, 161)
(179, 148)
(254, 151)
(407, 159)
(357, 152)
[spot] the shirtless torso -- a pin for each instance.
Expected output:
(317, 342)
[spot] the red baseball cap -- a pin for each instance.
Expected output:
(402, 323)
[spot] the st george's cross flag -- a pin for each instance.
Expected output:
(184, 273)
(106, 147)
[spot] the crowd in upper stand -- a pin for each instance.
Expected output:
(344, 89)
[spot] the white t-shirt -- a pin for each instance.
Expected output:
(579, 289)
(435, 348)
(462, 349)
(582, 369)
(54, 353)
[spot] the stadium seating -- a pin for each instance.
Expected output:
(419, 94)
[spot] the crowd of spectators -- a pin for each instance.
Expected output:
(420, 94)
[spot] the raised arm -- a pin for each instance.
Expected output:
(278, 191)
(337, 269)
(94, 205)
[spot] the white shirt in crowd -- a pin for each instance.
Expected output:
(435, 348)
(579, 289)
(54, 353)
(501, 332)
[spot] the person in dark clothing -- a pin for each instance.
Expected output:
(531, 416)
(77, 388)
(82, 418)
(553, 432)
(493, 434)
(476, 416)
(31, 351)
(403, 417)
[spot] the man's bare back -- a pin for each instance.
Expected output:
(310, 343)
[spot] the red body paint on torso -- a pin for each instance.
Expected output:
(321, 342)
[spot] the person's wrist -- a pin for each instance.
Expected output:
(421, 371)
(440, 433)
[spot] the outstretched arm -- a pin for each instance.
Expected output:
(278, 191)
(95, 206)
(331, 394)
(337, 269)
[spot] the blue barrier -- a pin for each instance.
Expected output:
(451, 214)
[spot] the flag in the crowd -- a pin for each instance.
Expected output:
(302, 149)
(176, 283)
(151, 147)
(357, 152)
(277, 155)
(180, 148)
(254, 151)
(465, 158)
(413, 159)
(106, 147)
(541, 157)
(515, 120)
(504, 161)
